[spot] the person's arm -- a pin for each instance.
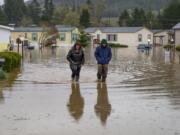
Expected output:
(109, 55)
(97, 55)
(69, 56)
(83, 58)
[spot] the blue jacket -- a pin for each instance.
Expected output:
(103, 54)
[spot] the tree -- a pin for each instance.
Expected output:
(171, 15)
(26, 21)
(124, 19)
(99, 10)
(60, 13)
(138, 17)
(3, 17)
(71, 18)
(84, 40)
(85, 18)
(14, 9)
(48, 10)
(34, 11)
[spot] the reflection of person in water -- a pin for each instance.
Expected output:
(1, 95)
(103, 107)
(76, 102)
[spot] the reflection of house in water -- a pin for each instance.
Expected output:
(103, 107)
(76, 102)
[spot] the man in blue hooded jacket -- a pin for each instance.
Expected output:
(103, 56)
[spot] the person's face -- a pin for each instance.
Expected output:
(104, 45)
(78, 47)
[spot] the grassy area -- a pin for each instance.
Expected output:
(178, 48)
(117, 45)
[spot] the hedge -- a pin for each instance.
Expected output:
(117, 45)
(168, 46)
(12, 60)
(178, 48)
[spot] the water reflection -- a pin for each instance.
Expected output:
(103, 107)
(76, 102)
(1, 95)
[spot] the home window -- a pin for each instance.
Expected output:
(149, 36)
(34, 36)
(75, 37)
(140, 37)
(62, 36)
(112, 37)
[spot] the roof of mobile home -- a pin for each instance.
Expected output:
(114, 29)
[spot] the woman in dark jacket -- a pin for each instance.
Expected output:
(76, 60)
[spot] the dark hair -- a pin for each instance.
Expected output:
(77, 43)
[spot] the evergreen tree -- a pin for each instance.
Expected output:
(85, 18)
(48, 10)
(14, 9)
(171, 15)
(84, 40)
(34, 11)
(3, 17)
(124, 19)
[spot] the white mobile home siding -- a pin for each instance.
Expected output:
(4, 38)
(177, 37)
(131, 39)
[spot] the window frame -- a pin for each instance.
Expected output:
(62, 38)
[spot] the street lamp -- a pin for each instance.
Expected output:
(22, 43)
(149, 40)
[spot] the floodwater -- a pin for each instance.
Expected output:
(141, 95)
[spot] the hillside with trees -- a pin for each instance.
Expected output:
(84, 13)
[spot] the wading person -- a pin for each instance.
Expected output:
(76, 59)
(103, 56)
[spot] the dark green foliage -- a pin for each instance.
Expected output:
(124, 19)
(48, 10)
(171, 15)
(34, 11)
(12, 60)
(84, 40)
(113, 45)
(15, 10)
(3, 17)
(2, 74)
(85, 18)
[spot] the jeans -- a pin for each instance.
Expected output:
(75, 71)
(102, 71)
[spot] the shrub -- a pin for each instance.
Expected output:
(12, 60)
(168, 46)
(178, 47)
(117, 45)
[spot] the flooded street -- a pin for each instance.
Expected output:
(141, 95)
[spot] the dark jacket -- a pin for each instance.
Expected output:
(103, 54)
(76, 57)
